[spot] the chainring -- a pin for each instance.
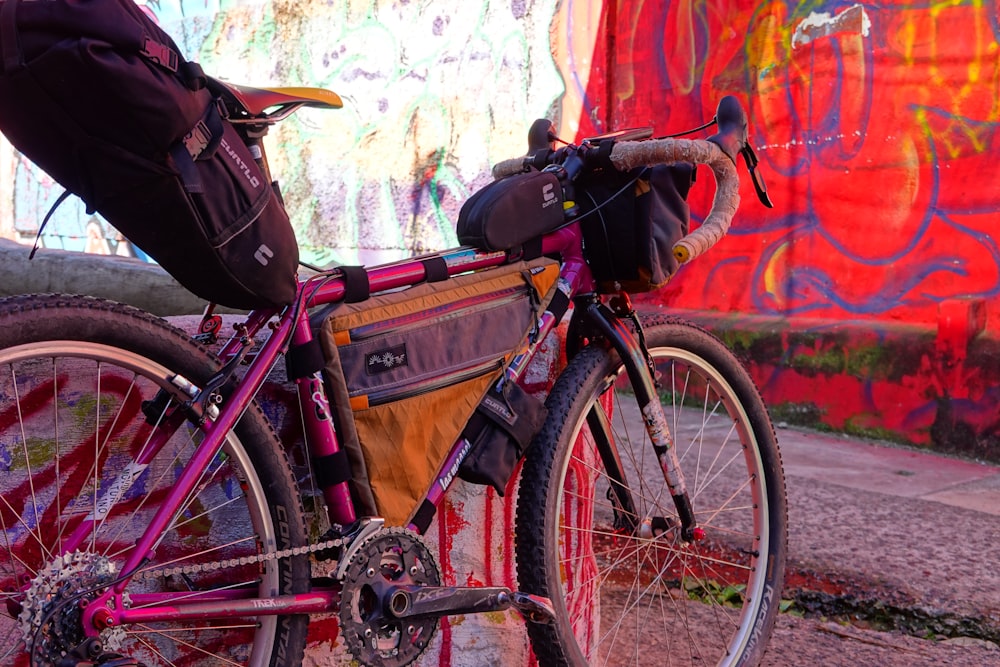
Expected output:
(390, 557)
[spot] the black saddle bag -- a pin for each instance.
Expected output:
(94, 93)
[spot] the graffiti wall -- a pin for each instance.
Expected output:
(434, 92)
(876, 126)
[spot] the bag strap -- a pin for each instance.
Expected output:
(535, 299)
(160, 54)
(12, 58)
(169, 59)
(163, 53)
(45, 221)
(200, 143)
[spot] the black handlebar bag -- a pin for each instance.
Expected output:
(94, 93)
(630, 223)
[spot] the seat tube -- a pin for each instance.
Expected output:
(330, 464)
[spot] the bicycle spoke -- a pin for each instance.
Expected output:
(644, 596)
(194, 647)
(88, 465)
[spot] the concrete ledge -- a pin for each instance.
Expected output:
(124, 279)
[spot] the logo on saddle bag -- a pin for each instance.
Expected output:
(385, 360)
(263, 254)
(548, 195)
(240, 164)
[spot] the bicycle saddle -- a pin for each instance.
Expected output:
(247, 104)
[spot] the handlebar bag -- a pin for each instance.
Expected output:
(630, 223)
(94, 93)
(407, 370)
(511, 212)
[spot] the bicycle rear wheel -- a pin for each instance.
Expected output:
(626, 589)
(77, 381)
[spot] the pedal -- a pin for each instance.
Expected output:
(533, 608)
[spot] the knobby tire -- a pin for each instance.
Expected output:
(626, 589)
(74, 375)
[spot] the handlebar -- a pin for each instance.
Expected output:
(631, 154)
(717, 152)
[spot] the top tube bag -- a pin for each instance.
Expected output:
(98, 96)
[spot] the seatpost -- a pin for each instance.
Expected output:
(253, 135)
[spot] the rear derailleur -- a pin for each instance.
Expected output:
(91, 653)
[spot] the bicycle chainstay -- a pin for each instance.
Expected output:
(354, 538)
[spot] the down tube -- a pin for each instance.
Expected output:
(547, 321)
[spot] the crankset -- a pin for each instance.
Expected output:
(408, 602)
(389, 557)
(391, 599)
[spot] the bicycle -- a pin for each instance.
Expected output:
(150, 514)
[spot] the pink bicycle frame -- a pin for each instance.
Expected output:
(291, 329)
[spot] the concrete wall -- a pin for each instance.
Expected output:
(876, 125)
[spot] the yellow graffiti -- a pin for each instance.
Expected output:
(774, 274)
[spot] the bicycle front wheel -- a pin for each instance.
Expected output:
(626, 588)
(85, 386)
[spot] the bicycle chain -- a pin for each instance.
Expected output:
(242, 560)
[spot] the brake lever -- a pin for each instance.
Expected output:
(758, 179)
(733, 137)
(540, 138)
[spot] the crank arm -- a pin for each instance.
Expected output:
(414, 601)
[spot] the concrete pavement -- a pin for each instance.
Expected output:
(894, 556)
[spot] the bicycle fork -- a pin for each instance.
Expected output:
(635, 359)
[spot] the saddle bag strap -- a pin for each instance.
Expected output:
(169, 59)
(201, 142)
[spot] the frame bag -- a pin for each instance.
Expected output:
(411, 372)
(94, 93)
